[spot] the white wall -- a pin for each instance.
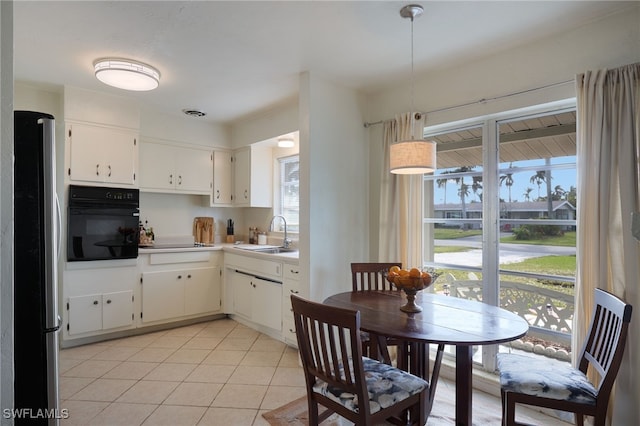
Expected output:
(334, 185)
(6, 205)
(607, 43)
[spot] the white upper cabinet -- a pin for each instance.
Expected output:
(101, 154)
(173, 168)
(253, 177)
(222, 179)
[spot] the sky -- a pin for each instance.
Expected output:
(521, 181)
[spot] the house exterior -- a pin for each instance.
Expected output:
(518, 210)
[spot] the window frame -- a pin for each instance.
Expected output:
(491, 219)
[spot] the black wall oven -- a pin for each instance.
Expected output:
(103, 223)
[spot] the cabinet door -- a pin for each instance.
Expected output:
(120, 157)
(117, 309)
(222, 178)
(267, 303)
(85, 313)
(102, 154)
(194, 170)
(157, 166)
(242, 176)
(85, 153)
(242, 289)
(162, 295)
(202, 291)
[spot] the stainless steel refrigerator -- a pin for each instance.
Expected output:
(36, 244)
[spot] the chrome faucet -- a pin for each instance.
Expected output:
(286, 242)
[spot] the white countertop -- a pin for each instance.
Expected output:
(227, 247)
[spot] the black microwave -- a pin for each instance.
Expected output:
(103, 223)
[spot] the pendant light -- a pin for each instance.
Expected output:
(414, 156)
(126, 74)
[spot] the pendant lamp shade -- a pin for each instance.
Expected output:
(412, 157)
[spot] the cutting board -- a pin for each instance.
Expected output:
(203, 228)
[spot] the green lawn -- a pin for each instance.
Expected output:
(451, 233)
(553, 265)
(566, 240)
(450, 249)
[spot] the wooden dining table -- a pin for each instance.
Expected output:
(443, 320)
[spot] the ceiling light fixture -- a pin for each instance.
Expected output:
(415, 156)
(286, 142)
(126, 74)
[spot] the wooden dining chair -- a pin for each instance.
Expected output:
(368, 276)
(338, 377)
(548, 383)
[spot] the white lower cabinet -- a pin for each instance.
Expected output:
(180, 285)
(98, 300)
(256, 299)
(290, 285)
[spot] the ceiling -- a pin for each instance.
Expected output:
(234, 58)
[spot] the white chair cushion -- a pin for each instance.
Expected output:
(546, 378)
(387, 385)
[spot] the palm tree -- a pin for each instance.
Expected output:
(507, 179)
(539, 178)
(463, 190)
(558, 192)
(442, 183)
(476, 186)
(527, 193)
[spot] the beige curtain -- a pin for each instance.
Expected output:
(608, 127)
(400, 199)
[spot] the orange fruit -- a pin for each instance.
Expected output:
(415, 272)
(403, 272)
(394, 268)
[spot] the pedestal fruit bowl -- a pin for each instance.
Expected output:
(410, 281)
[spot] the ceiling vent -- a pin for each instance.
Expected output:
(194, 112)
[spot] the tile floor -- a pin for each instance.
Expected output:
(212, 373)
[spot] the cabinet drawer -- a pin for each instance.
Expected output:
(290, 272)
(182, 257)
(259, 267)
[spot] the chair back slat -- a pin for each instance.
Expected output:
(606, 339)
(330, 346)
(368, 276)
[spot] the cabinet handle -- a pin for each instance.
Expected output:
(108, 301)
(97, 169)
(293, 271)
(189, 276)
(292, 331)
(170, 179)
(179, 277)
(95, 302)
(294, 291)
(179, 180)
(246, 194)
(217, 194)
(109, 170)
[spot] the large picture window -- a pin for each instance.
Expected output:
(499, 219)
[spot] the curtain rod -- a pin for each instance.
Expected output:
(480, 101)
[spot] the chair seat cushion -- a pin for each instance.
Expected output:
(546, 378)
(386, 385)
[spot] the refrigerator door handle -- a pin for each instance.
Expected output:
(59, 233)
(50, 224)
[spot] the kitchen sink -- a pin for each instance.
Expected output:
(276, 250)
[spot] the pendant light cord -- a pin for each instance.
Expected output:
(412, 83)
